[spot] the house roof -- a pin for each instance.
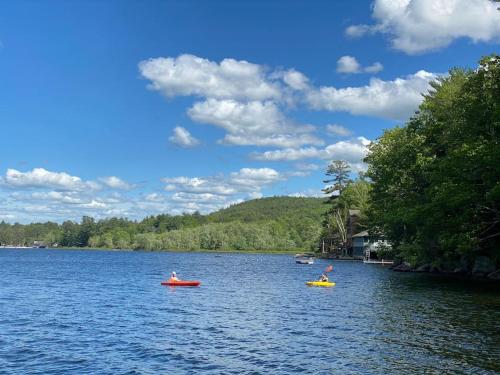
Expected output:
(361, 234)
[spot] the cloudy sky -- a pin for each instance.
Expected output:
(128, 108)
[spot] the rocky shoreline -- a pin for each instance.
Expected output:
(482, 267)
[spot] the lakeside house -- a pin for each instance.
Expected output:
(359, 243)
(366, 247)
(352, 227)
(333, 244)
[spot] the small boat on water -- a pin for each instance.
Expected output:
(304, 258)
(326, 284)
(181, 283)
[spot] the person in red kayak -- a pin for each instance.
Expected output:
(173, 277)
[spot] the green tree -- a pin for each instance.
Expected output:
(86, 230)
(338, 172)
(436, 189)
(335, 219)
(121, 239)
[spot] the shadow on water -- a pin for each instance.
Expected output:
(444, 322)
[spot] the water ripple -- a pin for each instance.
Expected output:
(105, 312)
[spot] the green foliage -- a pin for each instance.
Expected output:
(356, 196)
(276, 223)
(272, 208)
(436, 191)
(338, 177)
(344, 195)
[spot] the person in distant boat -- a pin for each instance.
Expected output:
(323, 277)
(173, 277)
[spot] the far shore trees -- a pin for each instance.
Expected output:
(267, 224)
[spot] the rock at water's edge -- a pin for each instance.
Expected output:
(483, 266)
(423, 268)
(494, 275)
(403, 267)
(459, 271)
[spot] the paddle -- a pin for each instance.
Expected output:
(327, 269)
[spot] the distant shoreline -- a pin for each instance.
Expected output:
(287, 252)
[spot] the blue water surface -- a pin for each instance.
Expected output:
(105, 312)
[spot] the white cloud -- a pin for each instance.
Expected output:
(298, 173)
(116, 183)
(396, 99)
(214, 192)
(374, 68)
(253, 123)
(57, 196)
(255, 177)
(212, 185)
(244, 180)
(349, 64)
(307, 166)
(42, 178)
(352, 151)
(289, 154)
(193, 197)
(44, 195)
(239, 97)
(296, 80)
(418, 26)
(183, 138)
(155, 197)
(247, 100)
(338, 130)
(191, 75)
(357, 31)
(93, 204)
(67, 205)
(40, 204)
(205, 194)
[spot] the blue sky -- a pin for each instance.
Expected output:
(128, 108)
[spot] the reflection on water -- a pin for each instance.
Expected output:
(105, 312)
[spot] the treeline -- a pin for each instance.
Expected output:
(276, 223)
(436, 180)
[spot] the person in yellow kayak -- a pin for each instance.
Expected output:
(173, 277)
(323, 277)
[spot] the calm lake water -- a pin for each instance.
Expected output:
(105, 312)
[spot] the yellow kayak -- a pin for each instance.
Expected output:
(320, 283)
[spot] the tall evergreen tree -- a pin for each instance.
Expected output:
(334, 223)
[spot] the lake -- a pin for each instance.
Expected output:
(105, 312)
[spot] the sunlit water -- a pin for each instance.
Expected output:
(104, 312)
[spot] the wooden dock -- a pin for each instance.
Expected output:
(382, 262)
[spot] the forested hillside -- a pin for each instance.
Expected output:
(273, 208)
(276, 223)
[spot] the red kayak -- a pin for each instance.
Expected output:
(181, 283)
